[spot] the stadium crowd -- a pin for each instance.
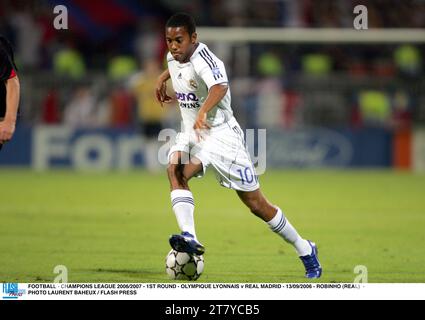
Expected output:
(89, 75)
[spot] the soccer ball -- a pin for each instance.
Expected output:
(184, 266)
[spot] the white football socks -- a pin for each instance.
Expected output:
(183, 207)
(280, 225)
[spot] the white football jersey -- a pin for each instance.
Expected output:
(191, 83)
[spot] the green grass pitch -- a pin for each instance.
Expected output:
(114, 227)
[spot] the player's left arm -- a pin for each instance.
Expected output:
(215, 95)
(7, 126)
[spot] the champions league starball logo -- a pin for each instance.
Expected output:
(216, 72)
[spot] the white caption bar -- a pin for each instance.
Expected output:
(211, 291)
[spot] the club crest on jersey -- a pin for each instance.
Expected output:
(193, 84)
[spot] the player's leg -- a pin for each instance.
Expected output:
(262, 208)
(235, 170)
(180, 171)
(179, 174)
(278, 223)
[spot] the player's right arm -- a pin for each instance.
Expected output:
(7, 125)
(161, 88)
(10, 80)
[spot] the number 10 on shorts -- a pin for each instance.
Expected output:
(247, 176)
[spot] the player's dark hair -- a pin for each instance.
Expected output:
(182, 19)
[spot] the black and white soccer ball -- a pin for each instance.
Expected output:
(184, 266)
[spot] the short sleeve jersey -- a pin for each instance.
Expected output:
(192, 81)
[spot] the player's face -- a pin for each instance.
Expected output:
(180, 44)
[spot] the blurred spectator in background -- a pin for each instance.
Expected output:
(149, 42)
(80, 112)
(402, 114)
(291, 113)
(244, 98)
(69, 62)
(102, 47)
(316, 64)
(150, 114)
(121, 67)
(50, 113)
(28, 38)
(375, 108)
(270, 65)
(408, 60)
(121, 104)
(269, 89)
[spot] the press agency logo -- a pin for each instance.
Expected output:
(12, 291)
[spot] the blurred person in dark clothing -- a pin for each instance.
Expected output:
(9, 92)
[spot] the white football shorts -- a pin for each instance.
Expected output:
(222, 148)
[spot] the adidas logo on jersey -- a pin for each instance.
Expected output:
(179, 76)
